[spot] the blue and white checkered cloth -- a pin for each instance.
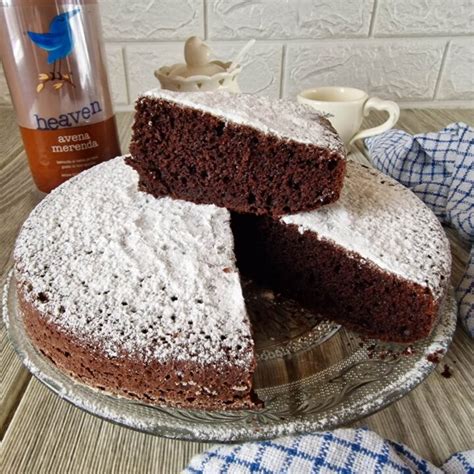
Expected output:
(439, 168)
(342, 451)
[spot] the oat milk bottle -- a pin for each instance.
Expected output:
(54, 64)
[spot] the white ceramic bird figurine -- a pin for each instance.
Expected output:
(197, 56)
(199, 73)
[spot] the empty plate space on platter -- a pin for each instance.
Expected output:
(313, 379)
(281, 327)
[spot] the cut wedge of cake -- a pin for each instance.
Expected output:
(246, 153)
(377, 260)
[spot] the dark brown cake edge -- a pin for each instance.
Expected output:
(333, 281)
(154, 383)
(230, 165)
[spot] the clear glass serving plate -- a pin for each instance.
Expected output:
(311, 374)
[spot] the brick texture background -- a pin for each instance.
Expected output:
(417, 52)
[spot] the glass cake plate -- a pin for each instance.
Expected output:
(311, 374)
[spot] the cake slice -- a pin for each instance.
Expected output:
(246, 153)
(377, 260)
(135, 295)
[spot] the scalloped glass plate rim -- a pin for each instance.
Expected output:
(220, 426)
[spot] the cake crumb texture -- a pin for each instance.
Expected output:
(377, 261)
(248, 154)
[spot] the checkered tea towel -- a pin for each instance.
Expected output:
(439, 168)
(342, 451)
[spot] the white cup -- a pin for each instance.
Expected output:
(346, 107)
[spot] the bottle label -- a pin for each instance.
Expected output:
(57, 155)
(58, 83)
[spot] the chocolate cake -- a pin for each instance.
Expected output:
(377, 260)
(135, 295)
(246, 153)
(141, 297)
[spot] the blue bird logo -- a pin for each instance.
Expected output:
(58, 42)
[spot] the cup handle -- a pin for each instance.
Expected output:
(374, 103)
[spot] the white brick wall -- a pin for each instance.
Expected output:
(424, 17)
(116, 73)
(398, 69)
(132, 20)
(283, 19)
(418, 52)
(457, 79)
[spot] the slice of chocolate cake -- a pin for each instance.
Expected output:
(135, 295)
(246, 153)
(377, 261)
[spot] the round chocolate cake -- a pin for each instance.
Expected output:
(141, 296)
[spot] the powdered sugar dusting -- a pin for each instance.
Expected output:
(386, 224)
(133, 274)
(322, 400)
(282, 118)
